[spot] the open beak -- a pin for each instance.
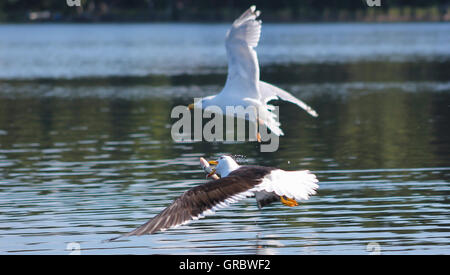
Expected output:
(213, 162)
(191, 106)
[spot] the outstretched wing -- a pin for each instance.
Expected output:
(243, 67)
(199, 202)
(243, 182)
(270, 92)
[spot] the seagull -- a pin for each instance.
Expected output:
(243, 86)
(236, 182)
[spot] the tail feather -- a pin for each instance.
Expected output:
(298, 185)
(270, 120)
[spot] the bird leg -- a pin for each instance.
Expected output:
(258, 135)
(288, 202)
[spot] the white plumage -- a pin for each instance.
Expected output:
(243, 86)
(297, 185)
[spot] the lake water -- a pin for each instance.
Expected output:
(86, 151)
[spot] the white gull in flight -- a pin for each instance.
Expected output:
(243, 86)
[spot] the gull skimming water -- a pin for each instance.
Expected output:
(266, 184)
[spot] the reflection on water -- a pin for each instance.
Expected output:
(87, 158)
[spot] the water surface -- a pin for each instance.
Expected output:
(86, 151)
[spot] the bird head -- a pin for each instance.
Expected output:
(224, 165)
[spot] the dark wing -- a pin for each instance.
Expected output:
(263, 198)
(204, 199)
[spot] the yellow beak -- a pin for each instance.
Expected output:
(191, 106)
(213, 162)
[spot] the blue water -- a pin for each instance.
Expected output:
(84, 50)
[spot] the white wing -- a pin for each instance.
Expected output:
(243, 67)
(298, 185)
(270, 92)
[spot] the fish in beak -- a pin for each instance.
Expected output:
(191, 106)
(213, 170)
(210, 171)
